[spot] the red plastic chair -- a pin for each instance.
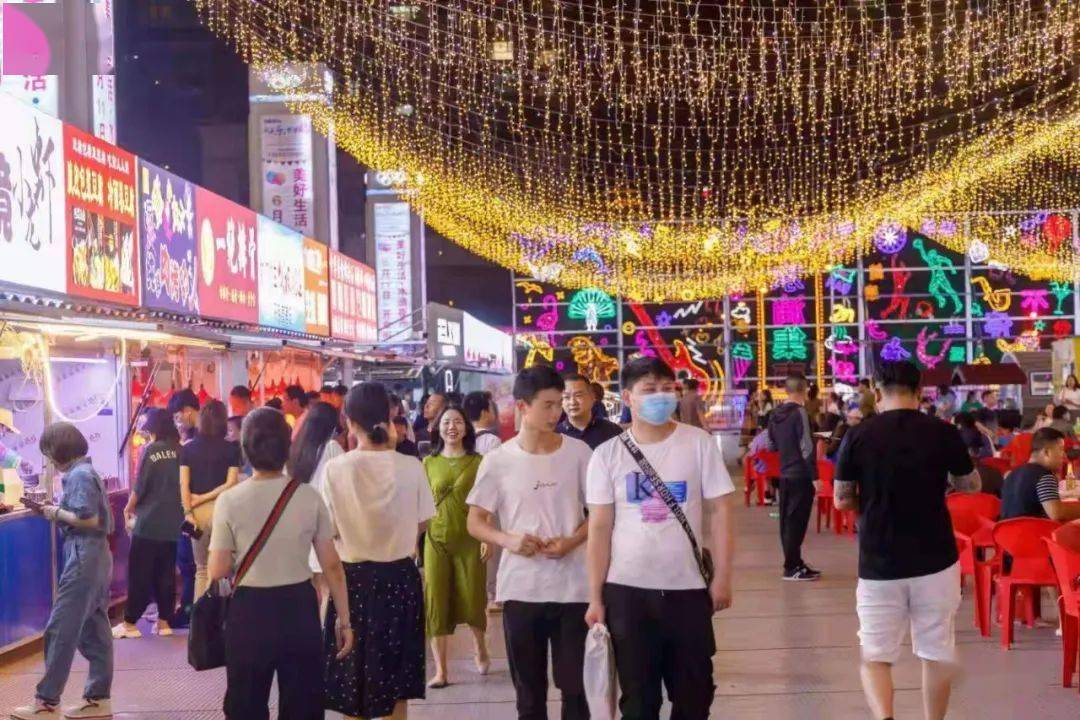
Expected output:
(825, 509)
(1018, 451)
(1066, 562)
(760, 479)
(1022, 538)
(973, 519)
(750, 479)
(1069, 535)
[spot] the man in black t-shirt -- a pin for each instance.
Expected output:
(895, 467)
(1031, 490)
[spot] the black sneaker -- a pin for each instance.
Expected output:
(803, 574)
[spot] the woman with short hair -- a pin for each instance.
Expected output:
(80, 612)
(273, 623)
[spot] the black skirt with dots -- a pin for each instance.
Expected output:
(386, 602)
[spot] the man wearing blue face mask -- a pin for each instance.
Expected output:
(650, 576)
(789, 433)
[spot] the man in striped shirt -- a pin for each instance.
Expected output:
(1031, 490)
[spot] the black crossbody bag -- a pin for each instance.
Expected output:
(701, 555)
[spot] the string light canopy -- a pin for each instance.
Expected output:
(685, 149)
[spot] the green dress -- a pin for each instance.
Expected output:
(455, 579)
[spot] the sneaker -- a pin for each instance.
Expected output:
(36, 710)
(812, 571)
(803, 574)
(162, 629)
(123, 631)
(90, 709)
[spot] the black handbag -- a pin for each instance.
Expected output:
(702, 556)
(206, 638)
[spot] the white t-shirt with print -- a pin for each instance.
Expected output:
(649, 548)
(542, 495)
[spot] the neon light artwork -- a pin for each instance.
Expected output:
(841, 279)
(890, 238)
(843, 370)
(842, 313)
(874, 331)
(740, 314)
(957, 354)
(894, 351)
(954, 328)
(1034, 301)
(940, 267)
(922, 351)
(549, 319)
(924, 309)
(840, 342)
(1061, 328)
(742, 358)
(591, 361)
(789, 343)
(900, 301)
(789, 311)
(978, 252)
(591, 305)
(997, 325)
(997, 300)
(1061, 292)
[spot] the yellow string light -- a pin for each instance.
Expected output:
(692, 149)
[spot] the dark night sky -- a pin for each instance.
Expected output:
(182, 104)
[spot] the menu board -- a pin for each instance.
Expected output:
(316, 287)
(228, 258)
(281, 277)
(103, 247)
(353, 315)
(31, 198)
(167, 229)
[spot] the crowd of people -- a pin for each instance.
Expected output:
(377, 556)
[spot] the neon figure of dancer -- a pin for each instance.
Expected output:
(900, 301)
(939, 265)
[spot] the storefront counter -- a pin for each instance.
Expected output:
(27, 569)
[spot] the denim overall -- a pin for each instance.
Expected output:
(80, 618)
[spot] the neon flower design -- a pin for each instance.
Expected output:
(894, 351)
(1034, 301)
(841, 279)
(890, 238)
(997, 325)
(874, 331)
(922, 344)
(1061, 291)
(789, 311)
(591, 305)
(843, 370)
(789, 343)
(663, 319)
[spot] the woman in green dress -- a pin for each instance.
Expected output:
(455, 579)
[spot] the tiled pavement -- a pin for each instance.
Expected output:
(786, 651)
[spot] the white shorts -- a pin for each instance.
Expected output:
(927, 604)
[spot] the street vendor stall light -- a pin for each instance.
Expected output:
(80, 360)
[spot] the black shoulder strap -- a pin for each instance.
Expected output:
(665, 495)
(264, 534)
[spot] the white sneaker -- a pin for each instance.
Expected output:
(122, 632)
(35, 711)
(90, 709)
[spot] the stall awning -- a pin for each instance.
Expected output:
(996, 374)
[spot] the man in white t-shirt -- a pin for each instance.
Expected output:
(534, 487)
(645, 580)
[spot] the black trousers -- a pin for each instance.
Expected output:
(662, 636)
(151, 577)
(796, 505)
(274, 630)
(529, 629)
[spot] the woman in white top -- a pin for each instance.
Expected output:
(1070, 394)
(312, 449)
(273, 623)
(379, 502)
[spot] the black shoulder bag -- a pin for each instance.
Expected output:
(206, 639)
(701, 555)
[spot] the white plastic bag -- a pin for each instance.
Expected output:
(600, 683)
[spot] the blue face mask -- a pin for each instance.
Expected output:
(657, 408)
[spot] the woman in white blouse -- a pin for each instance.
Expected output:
(1070, 394)
(379, 502)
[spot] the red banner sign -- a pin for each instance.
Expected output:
(102, 241)
(353, 314)
(228, 259)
